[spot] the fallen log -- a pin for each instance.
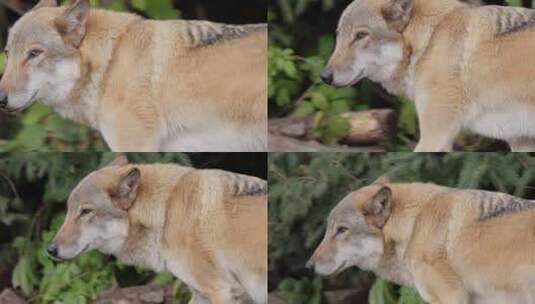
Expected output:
(367, 127)
(279, 143)
(147, 294)
(346, 296)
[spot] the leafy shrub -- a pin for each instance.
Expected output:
(287, 75)
(305, 291)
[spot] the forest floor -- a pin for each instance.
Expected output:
(146, 294)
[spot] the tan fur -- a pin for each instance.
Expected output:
(207, 227)
(150, 85)
(454, 246)
(465, 67)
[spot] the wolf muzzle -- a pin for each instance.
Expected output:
(3, 99)
(327, 76)
(52, 250)
(310, 265)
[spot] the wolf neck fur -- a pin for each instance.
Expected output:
(406, 206)
(426, 16)
(147, 222)
(96, 55)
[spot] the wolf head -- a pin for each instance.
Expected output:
(97, 212)
(369, 42)
(354, 231)
(43, 58)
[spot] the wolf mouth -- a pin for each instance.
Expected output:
(81, 251)
(60, 259)
(357, 78)
(26, 105)
(339, 269)
(354, 81)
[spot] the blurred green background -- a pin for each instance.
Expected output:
(304, 187)
(301, 39)
(39, 129)
(33, 190)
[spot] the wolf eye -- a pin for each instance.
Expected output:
(85, 211)
(34, 53)
(361, 35)
(341, 230)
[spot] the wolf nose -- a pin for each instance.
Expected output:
(309, 265)
(327, 76)
(52, 249)
(3, 99)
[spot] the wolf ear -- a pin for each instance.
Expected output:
(126, 190)
(397, 14)
(382, 180)
(120, 161)
(378, 209)
(45, 3)
(72, 23)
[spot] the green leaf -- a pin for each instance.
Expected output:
(514, 2)
(319, 101)
(339, 107)
(36, 114)
(23, 275)
(409, 296)
(2, 62)
(30, 138)
(304, 110)
(163, 278)
(382, 292)
(157, 9)
(331, 129)
(407, 118)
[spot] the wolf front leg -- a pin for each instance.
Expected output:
(131, 132)
(522, 145)
(197, 298)
(439, 284)
(230, 295)
(440, 119)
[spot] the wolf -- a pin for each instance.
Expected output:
(455, 246)
(207, 227)
(464, 66)
(145, 85)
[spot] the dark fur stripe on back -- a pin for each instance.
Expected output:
(520, 27)
(499, 204)
(243, 185)
(512, 20)
(202, 33)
